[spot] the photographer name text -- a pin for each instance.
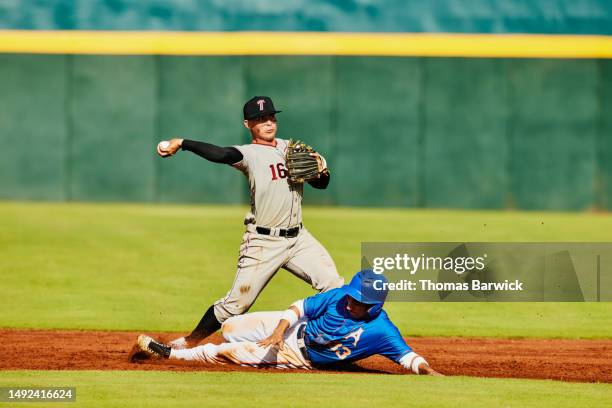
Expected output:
(429, 285)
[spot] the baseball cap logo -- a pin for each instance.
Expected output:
(258, 106)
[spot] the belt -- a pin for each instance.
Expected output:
(300, 342)
(280, 232)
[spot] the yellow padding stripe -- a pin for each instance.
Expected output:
(305, 43)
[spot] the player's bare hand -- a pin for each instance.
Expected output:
(274, 340)
(169, 148)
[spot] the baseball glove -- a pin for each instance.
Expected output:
(302, 165)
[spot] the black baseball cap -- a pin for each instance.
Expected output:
(258, 106)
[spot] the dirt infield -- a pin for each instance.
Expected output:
(567, 360)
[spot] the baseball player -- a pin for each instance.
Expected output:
(341, 325)
(275, 237)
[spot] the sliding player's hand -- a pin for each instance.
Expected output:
(274, 340)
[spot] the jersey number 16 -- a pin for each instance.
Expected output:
(278, 169)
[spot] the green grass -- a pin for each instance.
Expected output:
(155, 268)
(158, 267)
(218, 389)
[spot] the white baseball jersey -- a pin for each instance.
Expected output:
(275, 203)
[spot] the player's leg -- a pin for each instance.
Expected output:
(243, 353)
(311, 262)
(255, 327)
(260, 258)
(259, 261)
(251, 327)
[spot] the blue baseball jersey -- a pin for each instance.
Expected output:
(331, 335)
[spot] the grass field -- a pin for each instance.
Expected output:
(156, 268)
(235, 389)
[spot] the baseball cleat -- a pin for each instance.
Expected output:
(152, 347)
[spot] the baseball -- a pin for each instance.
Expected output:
(163, 145)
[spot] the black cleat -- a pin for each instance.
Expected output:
(152, 347)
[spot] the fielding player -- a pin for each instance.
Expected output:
(341, 325)
(275, 237)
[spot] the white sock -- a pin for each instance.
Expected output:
(178, 344)
(206, 353)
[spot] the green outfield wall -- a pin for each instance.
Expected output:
(409, 132)
(457, 16)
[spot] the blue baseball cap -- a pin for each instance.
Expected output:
(362, 287)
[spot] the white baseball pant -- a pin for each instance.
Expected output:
(261, 256)
(242, 334)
